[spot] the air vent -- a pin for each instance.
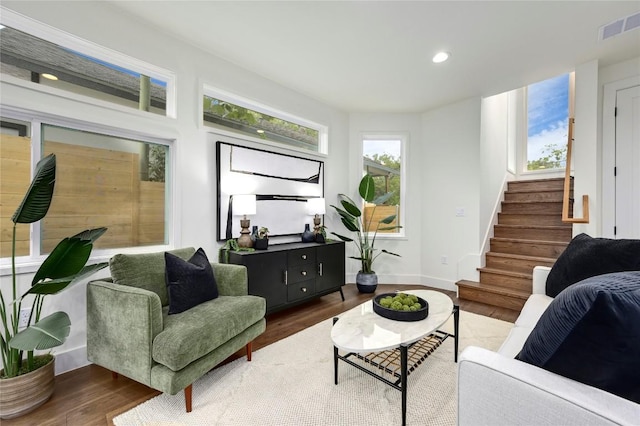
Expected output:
(619, 26)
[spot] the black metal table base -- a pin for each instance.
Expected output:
(394, 366)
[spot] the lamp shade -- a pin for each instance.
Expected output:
(315, 206)
(244, 204)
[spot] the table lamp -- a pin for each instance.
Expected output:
(315, 207)
(243, 205)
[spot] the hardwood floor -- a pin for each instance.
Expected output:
(89, 395)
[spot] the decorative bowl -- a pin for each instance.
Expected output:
(418, 315)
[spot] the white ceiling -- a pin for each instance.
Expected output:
(376, 55)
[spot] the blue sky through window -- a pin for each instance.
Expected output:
(547, 115)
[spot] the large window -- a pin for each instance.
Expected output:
(75, 66)
(547, 123)
(101, 180)
(234, 114)
(383, 160)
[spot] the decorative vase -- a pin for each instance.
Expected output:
(308, 236)
(26, 392)
(367, 282)
(261, 244)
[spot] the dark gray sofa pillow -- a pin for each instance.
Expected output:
(189, 282)
(586, 257)
(591, 333)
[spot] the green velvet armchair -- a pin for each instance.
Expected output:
(130, 332)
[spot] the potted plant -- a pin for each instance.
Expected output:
(27, 382)
(262, 239)
(353, 220)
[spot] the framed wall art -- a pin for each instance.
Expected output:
(281, 183)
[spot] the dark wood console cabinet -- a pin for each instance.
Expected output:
(288, 274)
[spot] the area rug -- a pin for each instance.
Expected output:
(290, 382)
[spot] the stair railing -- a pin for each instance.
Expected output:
(567, 185)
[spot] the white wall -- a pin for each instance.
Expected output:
(586, 162)
(450, 180)
(194, 154)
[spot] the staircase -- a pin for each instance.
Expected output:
(529, 232)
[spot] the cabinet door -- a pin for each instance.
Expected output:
(266, 273)
(330, 260)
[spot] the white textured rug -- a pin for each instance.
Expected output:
(291, 383)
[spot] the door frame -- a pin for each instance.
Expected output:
(608, 152)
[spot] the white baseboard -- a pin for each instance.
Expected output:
(426, 281)
(71, 359)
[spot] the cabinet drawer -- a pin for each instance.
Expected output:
(300, 290)
(298, 273)
(302, 256)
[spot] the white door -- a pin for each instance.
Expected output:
(627, 157)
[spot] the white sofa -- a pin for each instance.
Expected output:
(496, 389)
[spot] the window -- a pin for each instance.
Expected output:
(547, 123)
(95, 72)
(261, 122)
(383, 160)
(101, 180)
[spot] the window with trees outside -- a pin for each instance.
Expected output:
(383, 160)
(548, 123)
(101, 180)
(263, 123)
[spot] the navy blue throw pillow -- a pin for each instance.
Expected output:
(586, 257)
(591, 333)
(189, 282)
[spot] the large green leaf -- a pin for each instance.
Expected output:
(351, 208)
(47, 333)
(342, 237)
(36, 202)
(388, 252)
(382, 199)
(387, 220)
(351, 225)
(69, 256)
(59, 284)
(367, 188)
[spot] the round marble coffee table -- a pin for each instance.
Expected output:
(371, 342)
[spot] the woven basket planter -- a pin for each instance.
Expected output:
(22, 394)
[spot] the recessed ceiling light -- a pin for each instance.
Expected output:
(441, 57)
(49, 76)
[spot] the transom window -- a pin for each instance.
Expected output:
(264, 123)
(95, 72)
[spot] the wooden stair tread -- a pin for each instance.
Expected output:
(541, 180)
(521, 257)
(521, 241)
(545, 227)
(506, 272)
(533, 202)
(491, 288)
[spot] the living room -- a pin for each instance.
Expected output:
(456, 149)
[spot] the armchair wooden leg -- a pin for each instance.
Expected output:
(187, 397)
(249, 351)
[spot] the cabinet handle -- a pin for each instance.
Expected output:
(304, 289)
(286, 277)
(304, 257)
(320, 269)
(304, 273)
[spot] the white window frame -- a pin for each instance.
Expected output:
(524, 136)
(403, 138)
(29, 264)
(85, 47)
(213, 92)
